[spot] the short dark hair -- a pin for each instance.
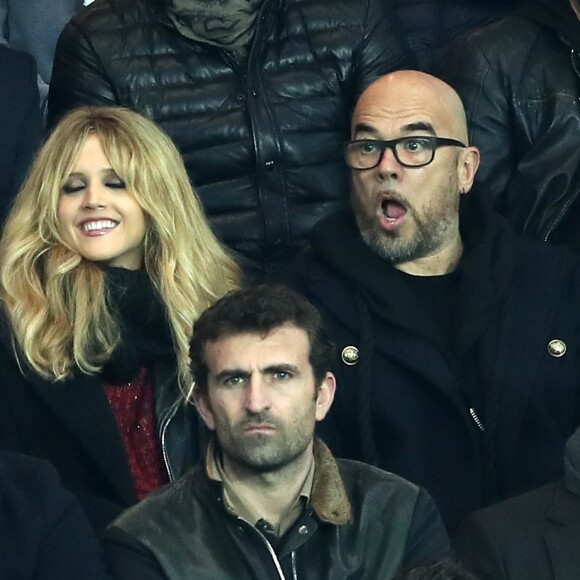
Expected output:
(260, 309)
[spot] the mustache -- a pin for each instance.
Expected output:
(391, 194)
(255, 419)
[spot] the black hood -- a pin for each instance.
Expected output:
(555, 14)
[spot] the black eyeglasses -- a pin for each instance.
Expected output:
(408, 151)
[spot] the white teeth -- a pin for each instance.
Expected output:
(98, 225)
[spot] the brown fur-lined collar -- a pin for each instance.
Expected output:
(328, 497)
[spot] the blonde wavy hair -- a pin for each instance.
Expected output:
(55, 300)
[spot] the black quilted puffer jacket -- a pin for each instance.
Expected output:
(261, 135)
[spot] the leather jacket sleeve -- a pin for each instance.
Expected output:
(427, 539)
(522, 114)
(383, 47)
(77, 76)
(484, 93)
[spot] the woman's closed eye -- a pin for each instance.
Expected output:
(113, 181)
(73, 186)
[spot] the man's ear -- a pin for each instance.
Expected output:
(325, 396)
(201, 400)
(468, 163)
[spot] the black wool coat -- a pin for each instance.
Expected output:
(72, 425)
(411, 403)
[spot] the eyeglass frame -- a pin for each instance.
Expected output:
(392, 145)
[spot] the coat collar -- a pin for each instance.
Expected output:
(328, 497)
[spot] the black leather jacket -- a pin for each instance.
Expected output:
(520, 83)
(360, 523)
(261, 135)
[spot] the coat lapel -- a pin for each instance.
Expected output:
(82, 406)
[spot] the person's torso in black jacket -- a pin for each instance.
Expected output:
(405, 405)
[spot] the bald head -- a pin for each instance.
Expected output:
(407, 93)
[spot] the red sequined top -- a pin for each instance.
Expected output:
(134, 408)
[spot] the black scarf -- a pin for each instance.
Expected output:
(144, 328)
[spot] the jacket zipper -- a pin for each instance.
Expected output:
(476, 419)
(294, 572)
(274, 557)
(164, 426)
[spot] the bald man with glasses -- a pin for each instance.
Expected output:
(459, 360)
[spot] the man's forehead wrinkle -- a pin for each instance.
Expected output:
(249, 352)
(406, 94)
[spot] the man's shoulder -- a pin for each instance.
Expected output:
(12, 61)
(162, 504)
(492, 38)
(19, 69)
(110, 14)
(519, 517)
(367, 480)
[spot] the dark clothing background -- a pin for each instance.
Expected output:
(430, 25)
(405, 405)
(20, 122)
(533, 536)
(260, 134)
(44, 534)
(520, 82)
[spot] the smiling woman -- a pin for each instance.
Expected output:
(106, 261)
(97, 215)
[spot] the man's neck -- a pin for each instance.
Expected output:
(444, 261)
(576, 7)
(273, 496)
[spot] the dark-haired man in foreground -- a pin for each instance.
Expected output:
(271, 501)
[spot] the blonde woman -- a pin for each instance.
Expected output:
(105, 262)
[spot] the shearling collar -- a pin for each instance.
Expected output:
(328, 498)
